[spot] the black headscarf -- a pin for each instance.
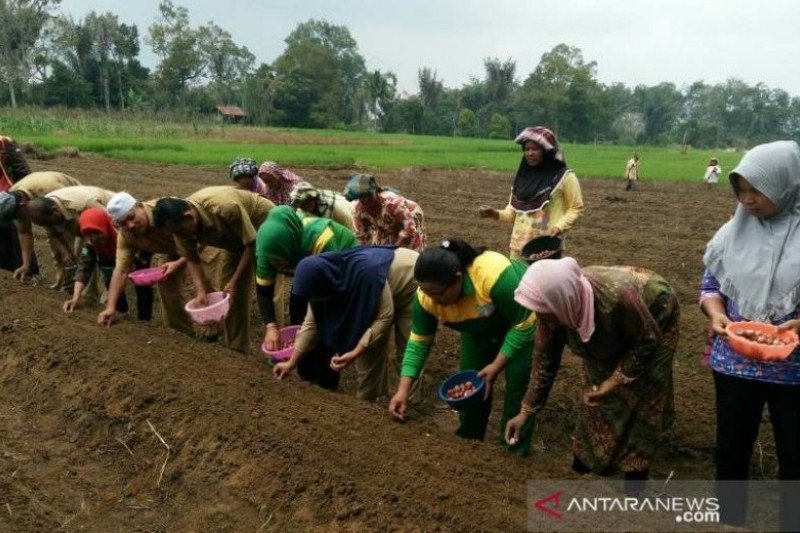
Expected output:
(534, 185)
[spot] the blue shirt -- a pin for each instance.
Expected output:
(726, 360)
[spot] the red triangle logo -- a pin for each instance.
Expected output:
(549, 504)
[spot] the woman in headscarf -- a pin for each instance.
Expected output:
(752, 272)
(322, 203)
(244, 172)
(279, 181)
(623, 323)
(471, 290)
(545, 196)
(355, 298)
(281, 242)
(383, 216)
(100, 250)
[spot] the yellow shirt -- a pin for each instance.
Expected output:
(560, 213)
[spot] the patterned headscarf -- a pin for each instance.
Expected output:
(360, 185)
(243, 167)
(755, 260)
(533, 186)
(279, 193)
(558, 287)
(304, 191)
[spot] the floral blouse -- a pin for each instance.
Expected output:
(399, 223)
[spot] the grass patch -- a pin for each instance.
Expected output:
(203, 141)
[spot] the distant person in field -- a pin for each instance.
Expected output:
(139, 242)
(283, 240)
(713, 171)
(279, 181)
(99, 251)
(357, 298)
(244, 172)
(322, 203)
(14, 207)
(632, 172)
(13, 167)
(623, 323)
(752, 272)
(471, 290)
(384, 217)
(225, 219)
(545, 195)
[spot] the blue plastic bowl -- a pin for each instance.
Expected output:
(456, 379)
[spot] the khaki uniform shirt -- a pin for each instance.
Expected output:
(153, 240)
(72, 201)
(229, 219)
(38, 184)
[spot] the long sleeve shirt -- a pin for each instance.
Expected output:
(486, 304)
(559, 215)
(726, 360)
(400, 222)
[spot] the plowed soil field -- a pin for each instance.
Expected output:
(138, 428)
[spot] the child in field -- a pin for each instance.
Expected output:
(632, 172)
(713, 170)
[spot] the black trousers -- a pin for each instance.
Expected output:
(740, 405)
(10, 252)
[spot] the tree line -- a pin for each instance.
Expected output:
(321, 80)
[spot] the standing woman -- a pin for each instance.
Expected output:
(545, 197)
(282, 241)
(355, 298)
(752, 272)
(279, 181)
(623, 323)
(471, 290)
(713, 171)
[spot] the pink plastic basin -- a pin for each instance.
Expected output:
(147, 276)
(286, 338)
(219, 303)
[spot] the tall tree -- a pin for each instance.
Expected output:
(176, 43)
(349, 63)
(21, 25)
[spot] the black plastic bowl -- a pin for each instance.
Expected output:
(544, 247)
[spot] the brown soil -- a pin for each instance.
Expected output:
(85, 409)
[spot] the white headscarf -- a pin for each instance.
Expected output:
(757, 260)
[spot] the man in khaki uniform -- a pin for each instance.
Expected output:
(225, 218)
(58, 213)
(33, 186)
(138, 234)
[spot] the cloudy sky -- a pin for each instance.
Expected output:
(632, 41)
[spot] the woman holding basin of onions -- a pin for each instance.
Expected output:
(472, 291)
(752, 272)
(623, 323)
(355, 299)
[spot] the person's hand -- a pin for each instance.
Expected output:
(593, 395)
(718, 321)
(340, 362)
(398, 405)
(514, 428)
(230, 287)
(271, 337)
(556, 232)
(170, 267)
(489, 374)
(69, 305)
(793, 325)
(106, 317)
(21, 273)
(201, 299)
(486, 211)
(281, 370)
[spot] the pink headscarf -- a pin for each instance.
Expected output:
(557, 286)
(286, 181)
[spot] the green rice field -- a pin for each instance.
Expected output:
(204, 141)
